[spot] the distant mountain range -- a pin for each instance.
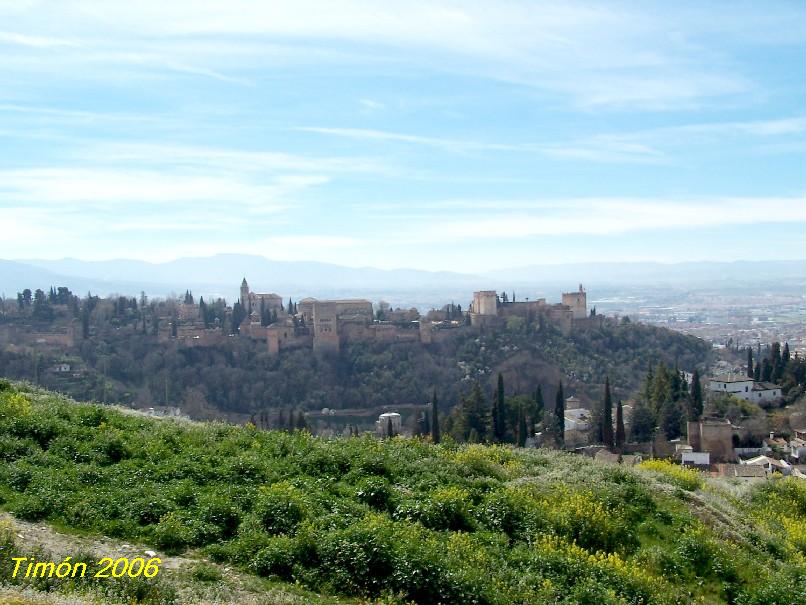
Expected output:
(220, 275)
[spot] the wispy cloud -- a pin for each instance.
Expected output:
(614, 216)
(34, 41)
(603, 55)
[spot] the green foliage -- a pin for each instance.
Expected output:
(400, 520)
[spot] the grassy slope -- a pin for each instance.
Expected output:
(400, 520)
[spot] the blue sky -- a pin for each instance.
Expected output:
(438, 135)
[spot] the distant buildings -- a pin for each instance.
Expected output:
(745, 388)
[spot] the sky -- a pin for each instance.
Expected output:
(465, 136)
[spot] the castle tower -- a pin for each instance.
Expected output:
(578, 301)
(245, 295)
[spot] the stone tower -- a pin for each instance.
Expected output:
(245, 295)
(578, 301)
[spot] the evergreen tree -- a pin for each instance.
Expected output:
(672, 418)
(302, 424)
(85, 321)
(642, 425)
(785, 356)
(426, 428)
(607, 416)
(757, 371)
(749, 362)
(499, 412)
(696, 396)
(174, 325)
(540, 405)
(238, 315)
(522, 429)
(435, 436)
(559, 416)
(390, 431)
(766, 370)
(475, 417)
(620, 433)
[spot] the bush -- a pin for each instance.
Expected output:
(680, 476)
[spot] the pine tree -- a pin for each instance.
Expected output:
(696, 396)
(435, 436)
(620, 433)
(607, 416)
(559, 416)
(749, 362)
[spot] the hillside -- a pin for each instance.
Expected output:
(398, 520)
(238, 379)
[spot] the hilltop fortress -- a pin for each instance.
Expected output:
(325, 325)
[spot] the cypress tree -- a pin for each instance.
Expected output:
(302, 425)
(696, 396)
(522, 429)
(620, 433)
(540, 405)
(749, 362)
(785, 356)
(559, 415)
(499, 412)
(757, 371)
(390, 431)
(435, 436)
(607, 416)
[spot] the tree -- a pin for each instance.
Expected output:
(607, 416)
(238, 315)
(499, 412)
(749, 362)
(522, 429)
(390, 430)
(435, 436)
(302, 424)
(785, 356)
(757, 371)
(672, 419)
(559, 416)
(540, 405)
(642, 425)
(475, 415)
(766, 370)
(620, 433)
(85, 321)
(696, 396)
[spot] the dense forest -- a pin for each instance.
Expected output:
(398, 520)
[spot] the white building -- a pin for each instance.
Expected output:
(745, 388)
(382, 424)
